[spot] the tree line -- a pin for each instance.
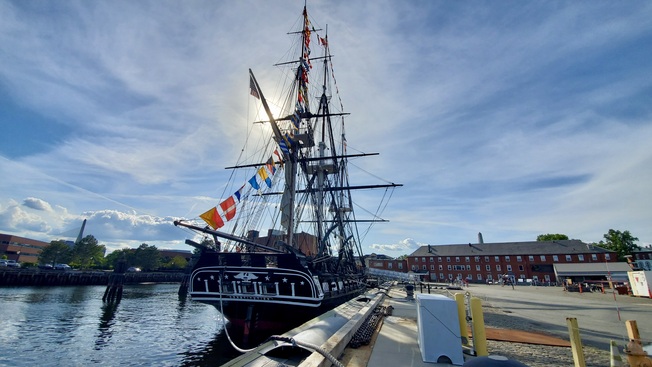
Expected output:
(87, 253)
(623, 243)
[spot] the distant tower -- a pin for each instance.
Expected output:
(81, 232)
(480, 241)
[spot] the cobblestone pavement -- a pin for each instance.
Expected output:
(536, 355)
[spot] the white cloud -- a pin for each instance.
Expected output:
(405, 246)
(37, 204)
(514, 120)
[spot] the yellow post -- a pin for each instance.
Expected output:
(576, 342)
(461, 315)
(479, 335)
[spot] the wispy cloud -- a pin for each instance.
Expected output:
(511, 119)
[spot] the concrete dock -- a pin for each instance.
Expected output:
(526, 324)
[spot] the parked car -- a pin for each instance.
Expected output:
(133, 269)
(13, 264)
(46, 266)
(62, 267)
(3, 262)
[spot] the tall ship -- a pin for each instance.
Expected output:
(283, 245)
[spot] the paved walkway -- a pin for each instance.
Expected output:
(396, 342)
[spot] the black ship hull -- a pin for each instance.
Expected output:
(263, 294)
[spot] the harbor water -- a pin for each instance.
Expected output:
(71, 326)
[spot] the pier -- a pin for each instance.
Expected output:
(40, 277)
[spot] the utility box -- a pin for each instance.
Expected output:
(438, 325)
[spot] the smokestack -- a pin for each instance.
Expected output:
(480, 241)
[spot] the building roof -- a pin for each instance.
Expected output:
(617, 270)
(511, 248)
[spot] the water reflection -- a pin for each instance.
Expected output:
(106, 321)
(72, 326)
(214, 353)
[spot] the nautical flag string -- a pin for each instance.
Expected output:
(227, 208)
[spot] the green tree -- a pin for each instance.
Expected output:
(620, 242)
(551, 237)
(116, 256)
(56, 252)
(146, 257)
(87, 250)
(177, 262)
(402, 257)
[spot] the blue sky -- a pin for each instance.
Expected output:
(508, 118)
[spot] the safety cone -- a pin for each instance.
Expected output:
(616, 360)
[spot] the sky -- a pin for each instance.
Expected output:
(506, 118)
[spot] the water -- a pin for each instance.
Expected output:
(71, 326)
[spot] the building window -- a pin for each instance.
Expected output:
(389, 265)
(594, 257)
(439, 259)
(477, 259)
(432, 267)
(486, 259)
(441, 275)
(507, 259)
(432, 259)
(457, 259)
(441, 267)
(509, 268)
(520, 268)
(531, 258)
(607, 256)
(477, 268)
(497, 267)
(468, 267)
(448, 259)
(555, 258)
(496, 259)
(479, 276)
(423, 259)
(467, 259)
(400, 265)
(450, 267)
(416, 259)
(424, 267)
(487, 267)
(543, 257)
(568, 258)
(580, 257)
(519, 258)
(450, 276)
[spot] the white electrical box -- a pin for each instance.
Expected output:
(439, 329)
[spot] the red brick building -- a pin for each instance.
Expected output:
(643, 258)
(21, 249)
(382, 262)
(479, 263)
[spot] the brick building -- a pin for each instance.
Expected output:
(643, 258)
(383, 262)
(21, 249)
(483, 262)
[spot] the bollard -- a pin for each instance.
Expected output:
(576, 342)
(479, 334)
(461, 315)
(615, 360)
(409, 289)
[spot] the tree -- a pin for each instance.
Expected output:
(620, 242)
(551, 237)
(56, 252)
(86, 250)
(147, 257)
